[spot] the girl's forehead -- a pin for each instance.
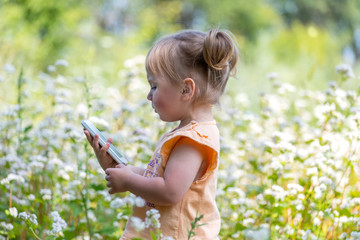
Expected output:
(152, 77)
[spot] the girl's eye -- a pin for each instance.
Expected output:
(153, 88)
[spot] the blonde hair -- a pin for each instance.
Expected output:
(208, 58)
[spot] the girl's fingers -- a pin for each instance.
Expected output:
(107, 177)
(104, 149)
(110, 140)
(108, 184)
(88, 136)
(108, 171)
(96, 145)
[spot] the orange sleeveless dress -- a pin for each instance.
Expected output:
(175, 220)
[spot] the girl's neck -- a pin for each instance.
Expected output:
(199, 113)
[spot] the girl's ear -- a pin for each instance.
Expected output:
(188, 89)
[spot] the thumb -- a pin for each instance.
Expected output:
(109, 140)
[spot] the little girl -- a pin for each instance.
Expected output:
(187, 73)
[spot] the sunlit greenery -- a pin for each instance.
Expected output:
(289, 119)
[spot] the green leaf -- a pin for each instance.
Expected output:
(28, 128)
(76, 207)
(153, 236)
(239, 227)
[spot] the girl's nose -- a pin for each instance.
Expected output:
(149, 96)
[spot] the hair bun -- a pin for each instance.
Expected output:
(219, 51)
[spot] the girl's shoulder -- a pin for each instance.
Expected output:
(204, 133)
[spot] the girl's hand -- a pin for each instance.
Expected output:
(103, 157)
(117, 178)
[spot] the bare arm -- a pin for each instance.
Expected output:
(136, 170)
(181, 170)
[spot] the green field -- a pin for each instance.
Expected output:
(289, 120)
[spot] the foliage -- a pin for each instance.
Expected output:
(38, 31)
(194, 224)
(289, 156)
(288, 171)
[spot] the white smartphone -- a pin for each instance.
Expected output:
(113, 152)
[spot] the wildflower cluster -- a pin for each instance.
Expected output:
(287, 171)
(291, 172)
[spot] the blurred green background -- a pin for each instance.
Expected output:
(301, 40)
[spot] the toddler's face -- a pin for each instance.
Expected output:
(165, 98)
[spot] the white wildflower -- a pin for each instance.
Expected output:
(23, 215)
(301, 196)
(319, 190)
(58, 223)
(14, 177)
(9, 68)
(343, 219)
(82, 110)
(316, 221)
(237, 191)
(6, 226)
(325, 180)
(139, 202)
(167, 238)
(130, 200)
(51, 68)
(297, 219)
(286, 88)
(13, 212)
(300, 207)
(276, 165)
(33, 219)
(294, 188)
(312, 171)
(79, 79)
(307, 235)
(99, 122)
(63, 174)
(152, 218)
(272, 76)
(343, 235)
(121, 216)
(260, 199)
(46, 193)
(345, 70)
(248, 221)
(62, 62)
(355, 235)
(138, 224)
(117, 203)
(4, 181)
(289, 230)
(133, 62)
(278, 192)
(31, 197)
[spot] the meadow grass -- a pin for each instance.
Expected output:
(287, 171)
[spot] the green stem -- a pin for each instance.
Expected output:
(85, 196)
(84, 200)
(19, 112)
(10, 200)
(33, 232)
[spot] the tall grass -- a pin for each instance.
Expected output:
(287, 171)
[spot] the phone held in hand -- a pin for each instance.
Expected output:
(113, 152)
